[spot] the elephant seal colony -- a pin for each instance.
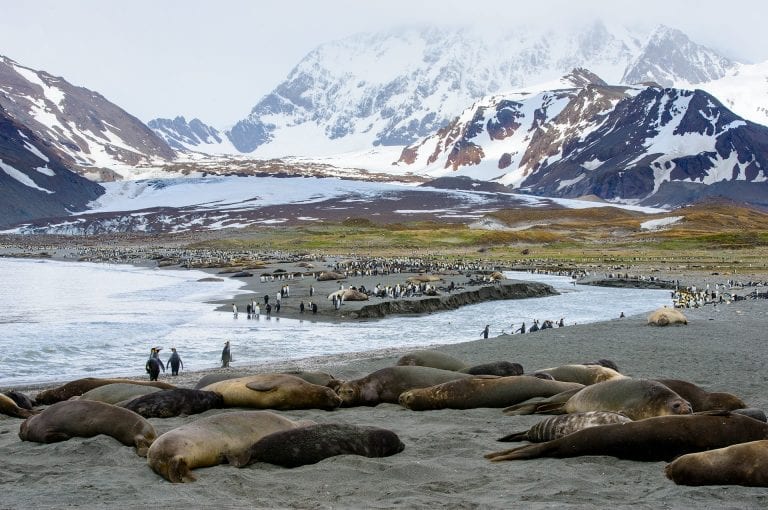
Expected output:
(443, 461)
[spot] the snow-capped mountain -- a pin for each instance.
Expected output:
(744, 90)
(34, 181)
(396, 87)
(194, 135)
(670, 58)
(641, 144)
(89, 133)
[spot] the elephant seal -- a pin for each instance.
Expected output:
(739, 464)
(605, 363)
(10, 408)
(88, 418)
(482, 391)
(500, 368)
(169, 403)
(21, 399)
(635, 398)
(752, 412)
(666, 316)
(80, 386)
(211, 440)
(386, 384)
(702, 400)
(433, 359)
(275, 391)
(118, 392)
(321, 378)
(583, 374)
(311, 444)
(564, 424)
(651, 439)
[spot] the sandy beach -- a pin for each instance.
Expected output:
(721, 349)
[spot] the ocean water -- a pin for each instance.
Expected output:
(65, 320)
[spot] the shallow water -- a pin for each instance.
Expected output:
(65, 320)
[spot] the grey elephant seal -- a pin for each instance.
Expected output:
(752, 412)
(118, 392)
(653, 439)
(21, 399)
(320, 378)
(313, 443)
(666, 317)
(169, 403)
(583, 374)
(9, 407)
(482, 391)
(386, 384)
(739, 464)
(635, 398)
(88, 418)
(80, 386)
(212, 440)
(500, 368)
(702, 400)
(564, 424)
(433, 359)
(275, 391)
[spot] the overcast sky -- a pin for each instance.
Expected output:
(215, 59)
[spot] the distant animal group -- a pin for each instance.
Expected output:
(708, 437)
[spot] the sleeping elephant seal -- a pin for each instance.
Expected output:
(275, 391)
(500, 368)
(482, 391)
(21, 399)
(651, 439)
(169, 403)
(564, 424)
(434, 359)
(667, 316)
(702, 400)
(739, 464)
(583, 374)
(311, 444)
(88, 418)
(212, 440)
(635, 398)
(386, 384)
(320, 378)
(80, 386)
(118, 392)
(10, 408)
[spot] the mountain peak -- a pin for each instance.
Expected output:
(581, 77)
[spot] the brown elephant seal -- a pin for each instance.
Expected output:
(702, 400)
(739, 464)
(433, 359)
(275, 391)
(88, 418)
(21, 399)
(118, 392)
(653, 439)
(386, 384)
(80, 386)
(212, 440)
(313, 443)
(482, 391)
(500, 368)
(9, 407)
(635, 398)
(582, 374)
(169, 403)
(320, 378)
(564, 424)
(325, 276)
(667, 316)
